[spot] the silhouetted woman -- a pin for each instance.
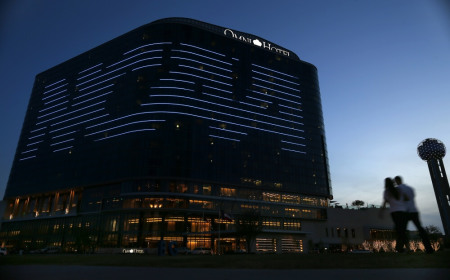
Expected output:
(397, 208)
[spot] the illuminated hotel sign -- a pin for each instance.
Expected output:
(133, 251)
(255, 41)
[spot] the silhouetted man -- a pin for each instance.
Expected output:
(413, 213)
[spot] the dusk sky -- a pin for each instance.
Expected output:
(383, 65)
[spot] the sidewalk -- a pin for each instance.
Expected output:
(74, 272)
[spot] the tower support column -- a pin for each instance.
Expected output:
(432, 151)
(441, 190)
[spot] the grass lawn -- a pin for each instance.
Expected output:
(258, 261)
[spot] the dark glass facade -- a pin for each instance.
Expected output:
(150, 135)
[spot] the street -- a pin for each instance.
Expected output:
(75, 272)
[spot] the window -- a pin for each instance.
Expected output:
(195, 189)
(175, 203)
(182, 188)
(175, 223)
(132, 203)
(272, 197)
(293, 199)
(199, 225)
(113, 225)
(200, 204)
(227, 192)
(292, 225)
(207, 190)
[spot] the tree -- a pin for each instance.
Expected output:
(358, 203)
(434, 233)
(249, 225)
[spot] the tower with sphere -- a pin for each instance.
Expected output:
(432, 151)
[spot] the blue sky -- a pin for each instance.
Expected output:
(384, 72)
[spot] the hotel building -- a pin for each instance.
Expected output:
(178, 131)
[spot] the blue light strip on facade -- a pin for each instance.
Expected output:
(74, 124)
(27, 158)
(54, 88)
(89, 75)
(202, 49)
(202, 70)
(50, 96)
(121, 118)
(29, 151)
(61, 135)
(51, 107)
(289, 114)
(257, 106)
(183, 73)
(90, 99)
(55, 83)
(59, 98)
(146, 66)
(216, 96)
(48, 114)
(276, 97)
(234, 108)
(119, 126)
(231, 139)
(106, 74)
(227, 130)
(80, 96)
(298, 144)
(257, 99)
(128, 132)
(186, 89)
(36, 130)
(102, 82)
(62, 149)
(175, 80)
(42, 134)
(272, 83)
(79, 116)
(65, 141)
(137, 61)
(204, 56)
(226, 114)
(139, 54)
(71, 112)
(295, 151)
(270, 76)
(262, 67)
(279, 91)
(223, 121)
(292, 108)
(90, 68)
(201, 63)
(34, 143)
(227, 91)
(152, 44)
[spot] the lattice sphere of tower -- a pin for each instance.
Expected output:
(431, 148)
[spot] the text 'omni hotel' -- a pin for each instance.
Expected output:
(178, 131)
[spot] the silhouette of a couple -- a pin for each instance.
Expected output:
(403, 209)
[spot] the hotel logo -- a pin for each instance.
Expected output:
(256, 42)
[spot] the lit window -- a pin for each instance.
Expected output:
(207, 189)
(227, 192)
